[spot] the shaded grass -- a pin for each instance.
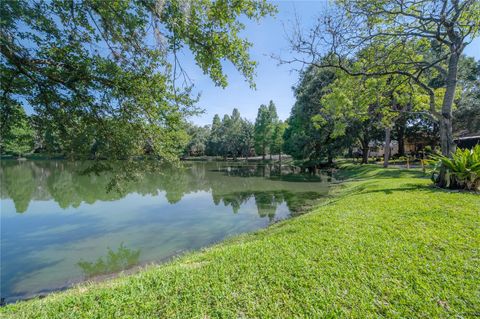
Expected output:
(388, 246)
(348, 171)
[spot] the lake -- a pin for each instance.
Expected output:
(60, 226)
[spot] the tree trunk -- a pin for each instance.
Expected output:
(364, 152)
(386, 149)
(330, 159)
(280, 163)
(401, 136)
(446, 131)
(401, 145)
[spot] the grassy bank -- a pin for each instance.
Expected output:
(384, 245)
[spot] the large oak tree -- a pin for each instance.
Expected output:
(420, 40)
(107, 76)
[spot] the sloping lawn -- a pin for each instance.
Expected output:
(384, 246)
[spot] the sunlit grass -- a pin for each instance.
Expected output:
(385, 245)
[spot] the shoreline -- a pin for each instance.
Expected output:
(143, 266)
(361, 244)
(77, 282)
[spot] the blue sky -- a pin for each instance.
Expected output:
(273, 82)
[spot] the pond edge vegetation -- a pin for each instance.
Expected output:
(357, 254)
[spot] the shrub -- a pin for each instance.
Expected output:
(461, 171)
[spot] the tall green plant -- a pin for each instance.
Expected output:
(462, 170)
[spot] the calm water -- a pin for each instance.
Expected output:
(59, 227)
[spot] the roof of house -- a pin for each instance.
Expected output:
(473, 137)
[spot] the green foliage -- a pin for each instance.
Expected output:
(101, 75)
(261, 130)
(276, 145)
(199, 136)
(467, 115)
(265, 123)
(419, 42)
(233, 133)
(462, 169)
(16, 133)
(358, 255)
(247, 142)
(383, 99)
(311, 126)
(214, 142)
(233, 136)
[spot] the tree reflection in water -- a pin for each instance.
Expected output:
(232, 184)
(70, 215)
(114, 261)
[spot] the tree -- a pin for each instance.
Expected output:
(264, 128)
(398, 37)
(276, 145)
(16, 133)
(247, 138)
(199, 136)
(91, 74)
(422, 128)
(224, 148)
(272, 111)
(467, 115)
(214, 141)
(365, 132)
(233, 134)
(383, 100)
(311, 128)
(47, 139)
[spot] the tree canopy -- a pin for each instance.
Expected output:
(265, 123)
(419, 40)
(105, 77)
(16, 133)
(232, 136)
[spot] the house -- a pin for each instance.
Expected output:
(468, 141)
(411, 146)
(416, 146)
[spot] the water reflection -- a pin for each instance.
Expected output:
(115, 261)
(67, 185)
(57, 224)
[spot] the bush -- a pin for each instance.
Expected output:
(461, 171)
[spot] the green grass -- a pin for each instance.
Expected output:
(384, 246)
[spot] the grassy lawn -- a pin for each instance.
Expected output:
(385, 245)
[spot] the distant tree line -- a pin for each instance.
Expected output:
(234, 136)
